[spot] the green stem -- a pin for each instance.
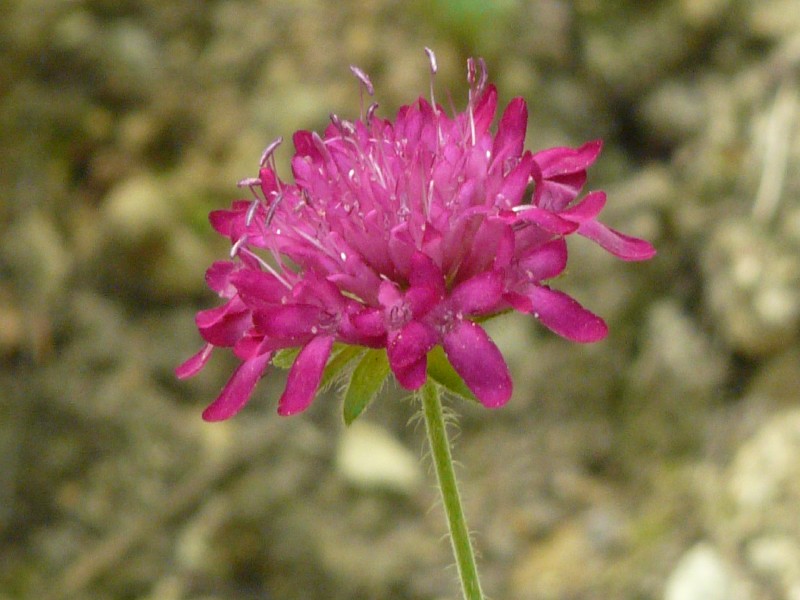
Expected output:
(445, 474)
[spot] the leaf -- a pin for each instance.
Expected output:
(365, 383)
(342, 355)
(284, 359)
(443, 373)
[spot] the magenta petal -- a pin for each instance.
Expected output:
(291, 321)
(194, 364)
(546, 220)
(478, 295)
(565, 316)
(410, 344)
(546, 261)
(620, 245)
(483, 113)
(224, 325)
(511, 131)
(257, 288)
(238, 390)
(305, 375)
(516, 182)
(218, 278)
(412, 376)
(479, 362)
(586, 209)
(555, 162)
(425, 273)
(369, 322)
(556, 194)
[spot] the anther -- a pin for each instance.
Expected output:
(470, 71)
(432, 58)
(345, 127)
(251, 212)
(237, 246)
(269, 150)
(473, 79)
(484, 74)
(371, 111)
(272, 208)
(319, 144)
(364, 79)
(249, 182)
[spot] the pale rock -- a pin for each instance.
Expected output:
(370, 457)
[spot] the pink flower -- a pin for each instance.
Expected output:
(402, 235)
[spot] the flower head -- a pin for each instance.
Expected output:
(402, 235)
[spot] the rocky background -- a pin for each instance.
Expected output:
(663, 462)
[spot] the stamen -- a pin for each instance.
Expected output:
(371, 111)
(319, 144)
(267, 267)
(484, 75)
(238, 245)
(252, 183)
(345, 127)
(432, 58)
(471, 74)
(434, 69)
(364, 79)
(248, 182)
(251, 211)
(272, 208)
(265, 156)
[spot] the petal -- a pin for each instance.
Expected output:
(230, 223)
(413, 376)
(389, 294)
(565, 316)
(546, 261)
(511, 131)
(478, 295)
(305, 375)
(290, 321)
(257, 288)
(586, 209)
(555, 162)
(218, 278)
(516, 182)
(369, 322)
(425, 273)
(479, 362)
(304, 145)
(556, 194)
(410, 344)
(238, 390)
(620, 245)
(194, 364)
(224, 325)
(546, 220)
(483, 113)
(491, 246)
(407, 351)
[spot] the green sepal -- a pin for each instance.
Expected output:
(365, 383)
(443, 373)
(284, 359)
(341, 356)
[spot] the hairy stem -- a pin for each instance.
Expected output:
(445, 474)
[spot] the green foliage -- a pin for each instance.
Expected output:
(365, 383)
(443, 373)
(284, 359)
(342, 356)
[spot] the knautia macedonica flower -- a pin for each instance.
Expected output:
(401, 237)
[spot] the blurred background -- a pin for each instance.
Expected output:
(663, 462)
